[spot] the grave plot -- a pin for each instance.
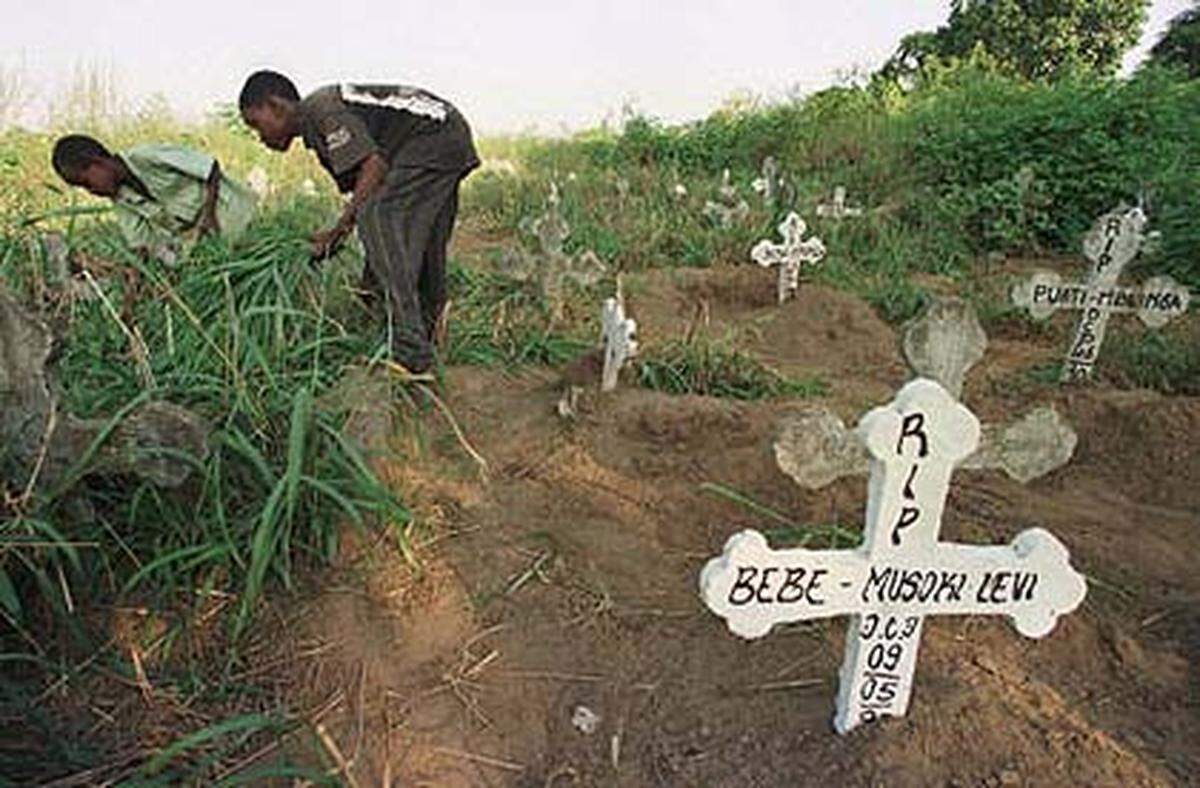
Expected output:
(902, 573)
(1113, 242)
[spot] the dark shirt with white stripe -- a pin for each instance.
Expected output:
(409, 127)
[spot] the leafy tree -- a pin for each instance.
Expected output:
(1035, 39)
(1180, 45)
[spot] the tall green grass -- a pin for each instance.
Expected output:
(252, 339)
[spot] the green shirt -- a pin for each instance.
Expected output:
(176, 176)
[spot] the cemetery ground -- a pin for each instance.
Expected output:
(567, 578)
(518, 565)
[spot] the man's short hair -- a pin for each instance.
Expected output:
(74, 152)
(262, 85)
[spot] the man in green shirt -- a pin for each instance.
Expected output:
(401, 153)
(163, 193)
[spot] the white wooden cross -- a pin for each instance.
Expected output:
(901, 573)
(838, 208)
(619, 335)
(1112, 243)
(767, 183)
(729, 210)
(553, 269)
(790, 254)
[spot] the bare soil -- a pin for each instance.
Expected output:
(568, 576)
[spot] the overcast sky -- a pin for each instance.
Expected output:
(509, 65)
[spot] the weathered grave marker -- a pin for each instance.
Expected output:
(553, 269)
(42, 442)
(789, 255)
(815, 448)
(838, 208)
(1111, 244)
(945, 341)
(767, 183)
(260, 183)
(619, 335)
(901, 573)
(728, 209)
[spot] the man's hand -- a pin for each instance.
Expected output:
(326, 243)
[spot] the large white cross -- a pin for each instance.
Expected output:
(789, 255)
(1112, 244)
(901, 573)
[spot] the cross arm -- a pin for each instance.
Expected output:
(754, 587)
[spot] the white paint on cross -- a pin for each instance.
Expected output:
(901, 573)
(767, 183)
(619, 334)
(1112, 243)
(789, 255)
(553, 269)
(838, 208)
(728, 210)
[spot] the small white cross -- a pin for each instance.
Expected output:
(619, 335)
(728, 210)
(789, 255)
(901, 573)
(553, 269)
(838, 208)
(1112, 243)
(767, 183)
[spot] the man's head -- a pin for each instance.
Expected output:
(82, 161)
(268, 105)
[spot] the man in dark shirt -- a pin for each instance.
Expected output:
(401, 153)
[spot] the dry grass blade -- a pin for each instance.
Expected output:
(343, 766)
(484, 759)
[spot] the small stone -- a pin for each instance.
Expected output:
(585, 720)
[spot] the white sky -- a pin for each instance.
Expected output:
(510, 65)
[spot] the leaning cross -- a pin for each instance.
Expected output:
(1111, 244)
(901, 573)
(619, 334)
(790, 254)
(838, 208)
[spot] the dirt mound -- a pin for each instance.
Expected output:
(822, 332)
(569, 580)
(1131, 432)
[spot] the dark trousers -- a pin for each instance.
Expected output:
(405, 229)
